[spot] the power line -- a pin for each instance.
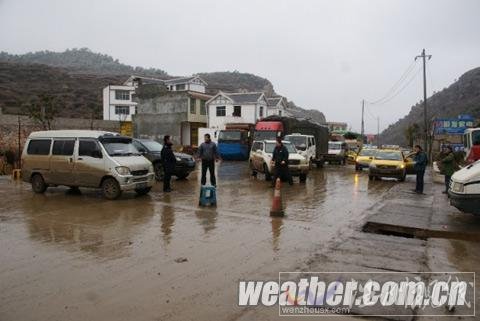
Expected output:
(405, 74)
(403, 88)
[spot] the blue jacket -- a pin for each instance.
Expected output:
(420, 161)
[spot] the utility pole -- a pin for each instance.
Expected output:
(425, 119)
(363, 123)
(378, 132)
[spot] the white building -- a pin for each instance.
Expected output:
(117, 99)
(245, 108)
(277, 106)
(117, 103)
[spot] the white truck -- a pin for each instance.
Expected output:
(306, 146)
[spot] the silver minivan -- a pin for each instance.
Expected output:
(85, 158)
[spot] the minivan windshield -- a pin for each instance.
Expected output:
(119, 146)
(226, 135)
(269, 147)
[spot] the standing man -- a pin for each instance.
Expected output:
(280, 160)
(419, 167)
(208, 153)
(448, 166)
(168, 162)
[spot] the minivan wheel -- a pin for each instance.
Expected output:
(142, 191)
(111, 189)
(268, 177)
(158, 168)
(38, 184)
(303, 177)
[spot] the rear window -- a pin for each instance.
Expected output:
(39, 147)
(63, 147)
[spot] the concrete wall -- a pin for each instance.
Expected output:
(9, 128)
(155, 126)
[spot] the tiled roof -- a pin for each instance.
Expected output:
(272, 102)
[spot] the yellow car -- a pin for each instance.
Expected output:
(388, 163)
(364, 158)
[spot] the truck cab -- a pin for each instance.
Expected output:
(337, 152)
(305, 145)
(471, 144)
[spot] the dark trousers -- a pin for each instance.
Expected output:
(447, 182)
(419, 186)
(210, 165)
(282, 172)
(167, 177)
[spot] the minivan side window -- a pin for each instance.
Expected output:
(89, 148)
(63, 147)
(39, 147)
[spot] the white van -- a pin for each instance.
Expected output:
(464, 189)
(84, 158)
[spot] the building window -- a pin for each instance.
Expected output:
(221, 112)
(193, 107)
(203, 109)
(237, 111)
(180, 87)
(279, 113)
(122, 110)
(122, 95)
(260, 114)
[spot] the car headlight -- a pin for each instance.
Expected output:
(123, 170)
(401, 166)
(178, 159)
(150, 168)
(457, 187)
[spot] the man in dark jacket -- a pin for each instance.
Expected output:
(208, 153)
(448, 166)
(168, 162)
(280, 160)
(419, 167)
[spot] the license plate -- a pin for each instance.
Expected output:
(141, 185)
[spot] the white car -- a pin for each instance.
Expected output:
(305, 145)
(464, 189)
(261, 160)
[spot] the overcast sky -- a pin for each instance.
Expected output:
(325, 55)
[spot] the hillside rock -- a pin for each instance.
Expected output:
(461, 97)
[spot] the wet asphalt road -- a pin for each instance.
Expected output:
(160, 256)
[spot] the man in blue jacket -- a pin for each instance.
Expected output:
(419, 167)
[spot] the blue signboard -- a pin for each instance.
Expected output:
(453, 126)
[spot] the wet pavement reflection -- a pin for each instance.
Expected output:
(119, 260)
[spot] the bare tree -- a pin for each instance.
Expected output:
(43, 110)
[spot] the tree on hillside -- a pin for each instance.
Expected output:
(411, 132)
(43, 110)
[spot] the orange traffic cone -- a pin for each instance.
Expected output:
(277, 207)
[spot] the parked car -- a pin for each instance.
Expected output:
(261, 157)
(151, 150)
(337, 153)
(388, 163)
(464, 189)
(364, 158)
(83, 158)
